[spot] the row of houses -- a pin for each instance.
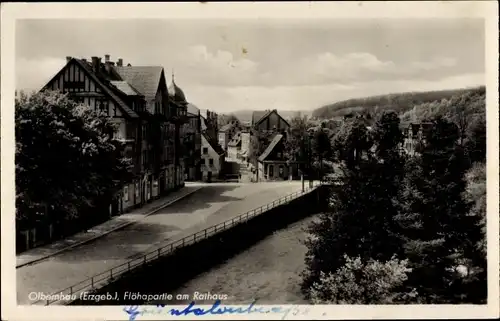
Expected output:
(235, 140)
(161, 130)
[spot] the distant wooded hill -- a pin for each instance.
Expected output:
(246, 115)
(399, 102)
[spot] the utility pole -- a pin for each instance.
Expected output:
(302, 161)
(309, 160)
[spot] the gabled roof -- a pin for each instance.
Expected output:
(102, 83)
(145, 79)
(226, 127)
(125, 88)
(235, 141)
(259, 116)
(203, 123)
(270, 148)
(213, 143)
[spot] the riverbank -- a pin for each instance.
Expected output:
(268, 271)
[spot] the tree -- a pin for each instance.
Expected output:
(226, 119)
(258, 144)
(476, 194)
(295, 144)
(475, 144)
(437, 231)
(66, 160)
(321, 147)
(361, 221)
(351, 141)
(363, 282)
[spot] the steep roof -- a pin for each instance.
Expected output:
(270, 148)
(125, 88)
(226, 127)
(203, 123)
(104, 86)
(258, 115)
(145, 79)
(192, 109)
(213, 143)
(236, 140)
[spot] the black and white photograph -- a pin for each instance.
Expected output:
(258, 166)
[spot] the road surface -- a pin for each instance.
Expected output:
(212, 204)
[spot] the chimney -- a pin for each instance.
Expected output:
(84, 59)
(107, 64)
(119, 63)
(95, 64)
(68, 58)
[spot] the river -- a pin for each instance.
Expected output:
(268, 271)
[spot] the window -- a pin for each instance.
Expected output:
(125, 193)
(205, 150)
(278, 155)
(211, 161)
(102, 105)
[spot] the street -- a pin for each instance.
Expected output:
(210, 205)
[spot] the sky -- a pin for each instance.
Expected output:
(257, 64)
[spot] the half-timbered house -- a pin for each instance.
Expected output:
(137, 99)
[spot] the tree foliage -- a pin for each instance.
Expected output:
(428, 210)
(297, 140)
(351, 141)
(66, 160)
(399, 102)
(438, 232)
(223, 119)
(363, 282)
(361, 219)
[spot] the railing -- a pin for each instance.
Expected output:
(110, 275)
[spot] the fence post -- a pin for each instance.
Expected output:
(224, 224)
(111, 273)
(128, 264)
(70, 290)
(159, 252)
(172, 246)
(194, 238)
(205, 233)
(145, 259)
(92, 282)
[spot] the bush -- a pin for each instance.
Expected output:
(359, 282)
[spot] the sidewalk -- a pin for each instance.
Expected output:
(43, 252)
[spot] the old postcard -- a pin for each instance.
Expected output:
(250, 160)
